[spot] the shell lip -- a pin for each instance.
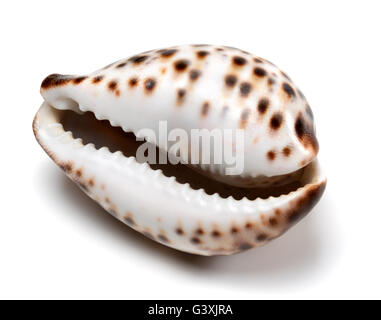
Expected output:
(312, 175)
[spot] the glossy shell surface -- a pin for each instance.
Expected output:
(195, 86)
(200, 87)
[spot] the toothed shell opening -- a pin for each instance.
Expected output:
(102, 136)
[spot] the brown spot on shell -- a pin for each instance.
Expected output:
(199, 231)
(202, 54)
(78, 173)
(273, 221)
(112, 85)
(166, 53)
(67, 167)
(288, 90)
(305, 133)
(249, 225)
(244, 117)
(239, 61)
(180, 231)
(271, 155)
(78, 80)
(194, 74)
(276, 121)
(163, 238)
(97, 79)
(181, 65)
(181, 96)
(270, 82)
(216, 234)
(263, 105)
(195, 240)
(120, 65)
(149, 84)
(259, 72)
(234, 230)
(138, 59)
(261, 237)
(205, 109)
(55, 80)
(231, 80)
(245, 89)
(286, 151)
(133, 82)
(91, 183)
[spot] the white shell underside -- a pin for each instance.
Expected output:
(165, 210)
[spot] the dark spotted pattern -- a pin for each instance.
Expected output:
(234, 230)
(288, 90)
(205, 109)
(166, 53)
(180, 231)
(181, 65)
(181, 96)
(261, 237)
(112, 85)
(138, 59)
(259, 72)
(305, 133)
(276, 121)
(286, 151)
(78, 80)
(195, 240)
(244, 117)
(199, 231)
(245, 89)
(263, 105)
(271, 155)
(202, 54)
(270, 81)
(194, 74)
(133, 82)
(230, 80)
(216, 234)
(239, 61)
(120, 65)
(97, 79)
(149, 84)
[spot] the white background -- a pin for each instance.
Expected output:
(57, 243)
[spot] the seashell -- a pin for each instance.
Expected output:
(196, 209)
